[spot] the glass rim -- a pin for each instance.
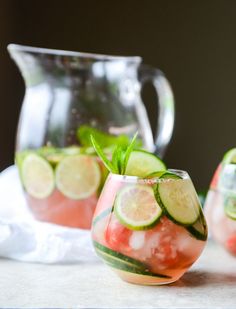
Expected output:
(57, 52)
(153, 180)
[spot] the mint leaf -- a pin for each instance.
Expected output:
(117, 158)
(120, 155)
(103, 139)
(102, 155)
(127, 153)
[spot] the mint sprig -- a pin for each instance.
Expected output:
(102, 156)
(104, 140)
(120, 156)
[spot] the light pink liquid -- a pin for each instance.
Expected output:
(222, 228)
(168, 249)
(59, 209)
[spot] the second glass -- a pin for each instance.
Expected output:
(220, 207)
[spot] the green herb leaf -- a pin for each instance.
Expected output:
(102, 155)
(117, 158)
(103, 139)
(128, 152)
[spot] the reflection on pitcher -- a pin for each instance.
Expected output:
(69, 96)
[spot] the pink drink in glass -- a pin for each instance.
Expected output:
(156, 255)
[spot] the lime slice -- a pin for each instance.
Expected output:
(230, 207)
(142, 163)
(71, 150)
(78, 176)
(37, 176)
(55, 155)
(230, 157)
(19, 159)
(54, 158)
(137, 208)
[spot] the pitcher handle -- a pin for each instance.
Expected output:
(165, 121)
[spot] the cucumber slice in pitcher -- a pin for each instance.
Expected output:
(142, 163)
(178, 200)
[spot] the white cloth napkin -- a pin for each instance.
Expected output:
(25, 239)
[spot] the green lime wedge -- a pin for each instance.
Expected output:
(142, 163)
(78, 176)
(137, 208)
(37, 176)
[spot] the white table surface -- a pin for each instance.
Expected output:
(211, 283)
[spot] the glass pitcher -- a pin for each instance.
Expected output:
(68, 96)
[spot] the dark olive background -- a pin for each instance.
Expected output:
(193, 42)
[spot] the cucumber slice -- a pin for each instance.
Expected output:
(102, 215)
(37, 176)
(179, 201)
(230, 207)
(170, 175)
(156, 174)
(78, 176)
(119, 261)
(199, 229)
(120, 256)
(136, 207)
(142, 163)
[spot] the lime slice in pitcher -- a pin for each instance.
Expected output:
(137, 208)
(78, 176)
(37, 176)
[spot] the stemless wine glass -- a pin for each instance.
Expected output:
(70, 95)
(150, 231)
(220, 207)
